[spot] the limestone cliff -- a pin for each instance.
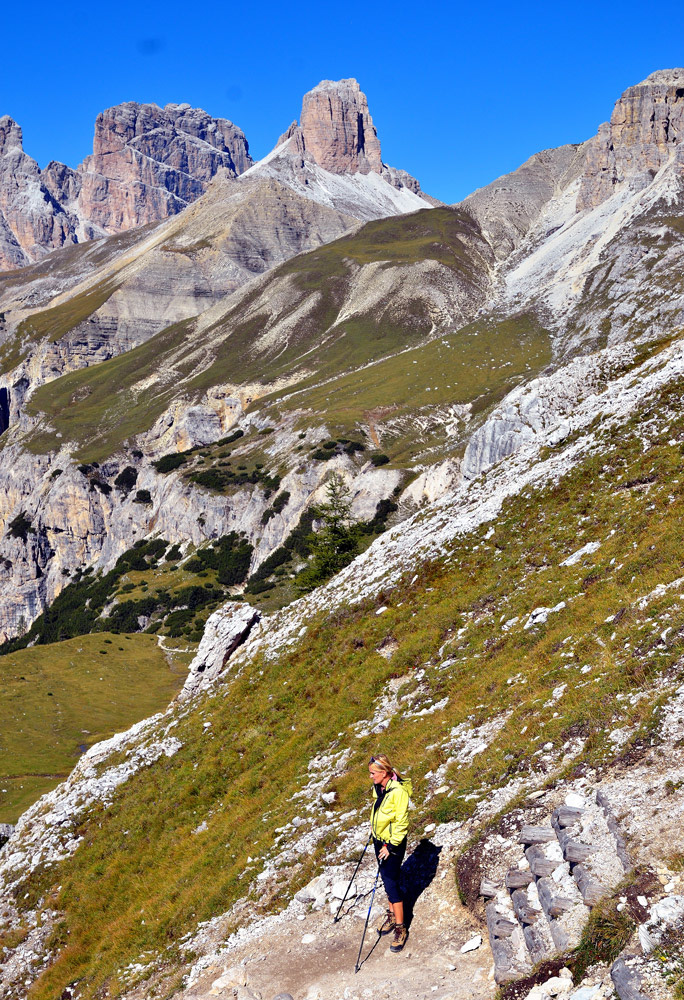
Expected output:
(31, 220)
(337, 130)
(150, 162)
(336, 135)
(645, 131)
(147, 163)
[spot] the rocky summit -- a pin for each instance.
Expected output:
(337, 130)
(299, 466)
(644, 133)
(147, 163)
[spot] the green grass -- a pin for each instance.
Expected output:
(477, 365)
(140, 860)
(57, 700)
(54, 323)
(101, 407)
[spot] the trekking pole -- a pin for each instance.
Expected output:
(351, 880)
(363, 936)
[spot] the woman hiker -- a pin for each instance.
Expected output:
(389, 826)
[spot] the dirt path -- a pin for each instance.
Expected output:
(312, 958)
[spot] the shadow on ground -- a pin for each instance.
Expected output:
(417, 873)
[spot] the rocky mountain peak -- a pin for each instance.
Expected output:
(10, 135)
(645, 131)
(336, 129)
(149, 162)
(166, 136)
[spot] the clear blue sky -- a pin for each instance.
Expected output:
(459, 93)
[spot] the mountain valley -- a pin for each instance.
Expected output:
(194, 350)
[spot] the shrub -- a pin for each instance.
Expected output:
(259, 586)
(167, 463)
(379, 459)
(20, 527)
(353, 446)
(126, 479)
(100, 485)
(231, 437)
(143, 496)
(124, 617)
(230, 556)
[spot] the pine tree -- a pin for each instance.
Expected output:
(336, 543)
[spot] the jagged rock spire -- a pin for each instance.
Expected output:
(336, 129)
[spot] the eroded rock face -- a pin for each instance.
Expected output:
(337, 134)
(337, 130)
(150, 162)
(645, 131)
(226, 629)
(147, 163)
(31, 221)
(507, 208)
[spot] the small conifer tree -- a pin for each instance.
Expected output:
(336, 542)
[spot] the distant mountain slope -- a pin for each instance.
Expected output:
(508, 207)
(149, 163)
(388, 287)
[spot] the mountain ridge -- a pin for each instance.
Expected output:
(499, 387)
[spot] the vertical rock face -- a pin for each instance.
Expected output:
(150, 162)
(31, 221)
(147, 163)
(645, 131)
(336, 129)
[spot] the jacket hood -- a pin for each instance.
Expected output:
(404, 783)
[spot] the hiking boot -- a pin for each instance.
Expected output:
(399, 937)
(386, 923)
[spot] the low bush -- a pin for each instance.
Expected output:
(167, 463)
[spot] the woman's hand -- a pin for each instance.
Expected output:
(383, 853)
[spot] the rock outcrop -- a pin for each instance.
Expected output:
(337, 130)
(31, 220)
(508, 207)
(225, 630)
(645, 131)
(150, 162)
(336, 136)
(147, 163)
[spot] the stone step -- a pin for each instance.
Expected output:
(536, 929)
(507, 942)
(536, 835)
(516, 878)
(540, 906)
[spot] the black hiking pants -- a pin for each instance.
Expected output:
(390, 868)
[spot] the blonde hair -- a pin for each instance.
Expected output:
(380, 762)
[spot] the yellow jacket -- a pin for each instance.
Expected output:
(389, 822)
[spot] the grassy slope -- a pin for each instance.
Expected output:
(56, 700)
(108, 396)
(477, 365)
(101, 407)
(273, 717)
